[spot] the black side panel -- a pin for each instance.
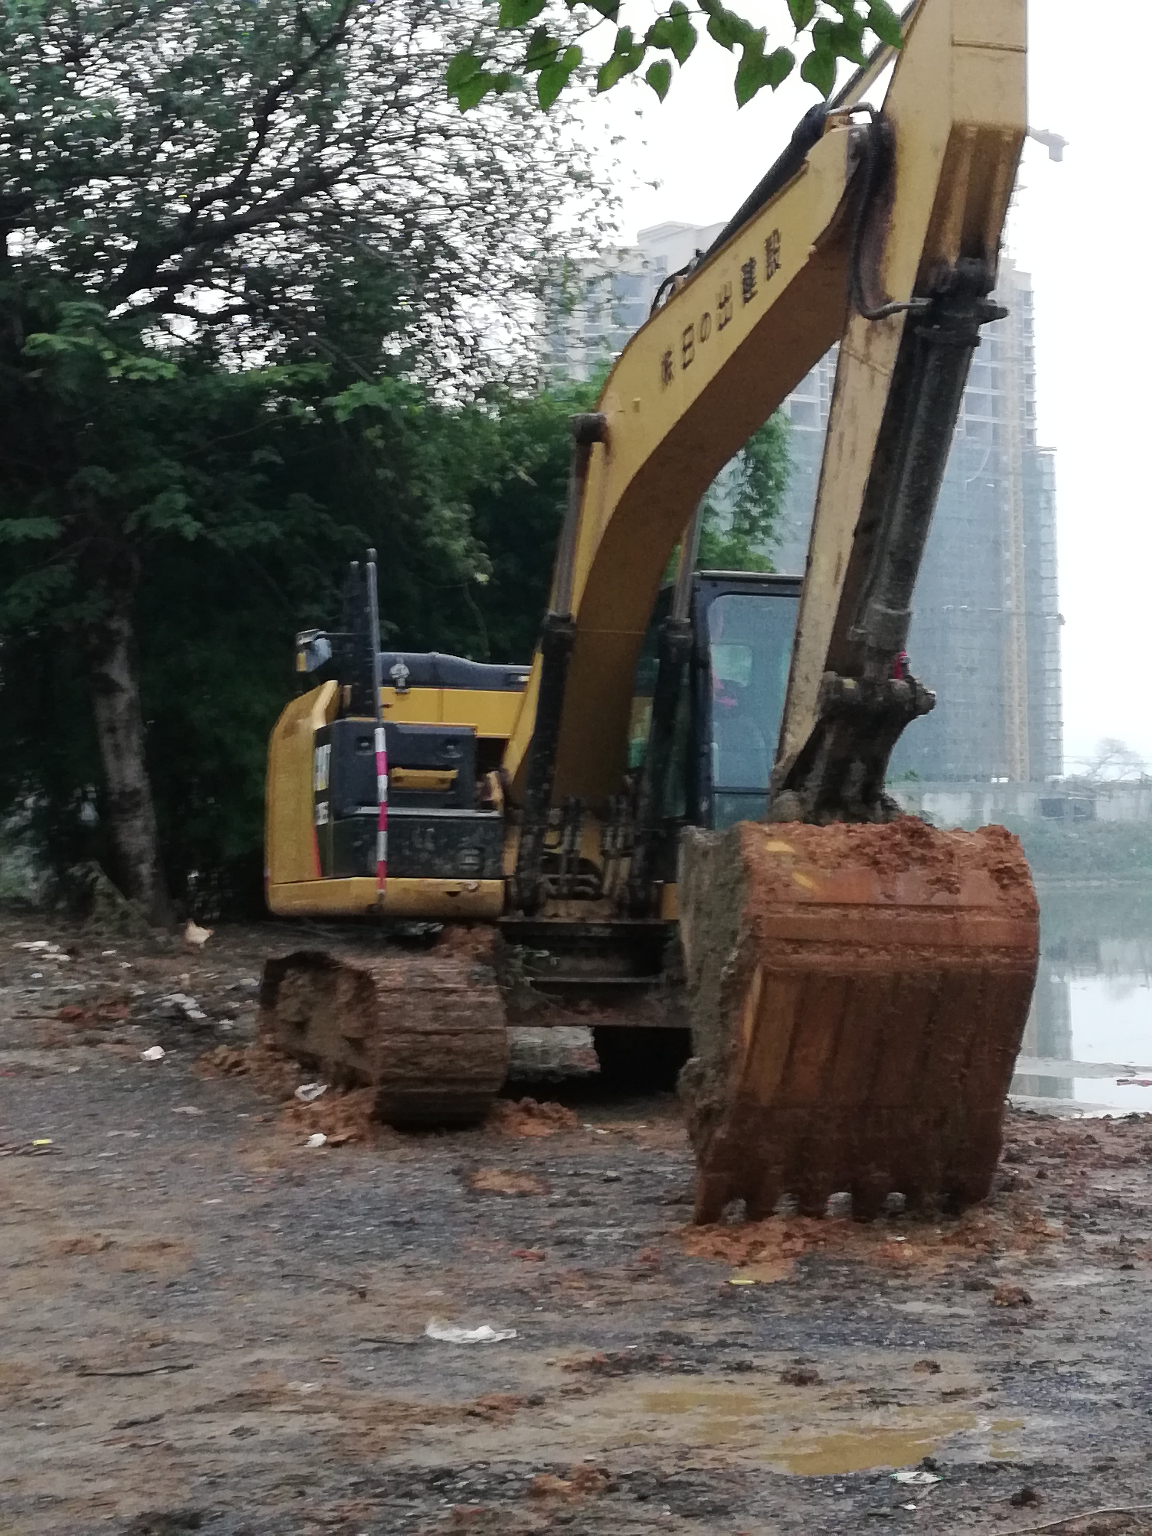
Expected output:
(353, 766)
(429, 845)
(432, 669)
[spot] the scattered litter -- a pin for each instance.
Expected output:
(596, 1129)
(741, 1280)
(919, 1479)
(188, 1109)
(196, 936)
(448, 1333)
(308, 1093)
(317, 1139)
(153, 1053)
(909, 1506)
(104, 953)
(44, 949)
(188, 1006)
(1134, 1082)
(304, 1386)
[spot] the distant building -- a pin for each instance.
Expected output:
(986, 628)
(596, 305)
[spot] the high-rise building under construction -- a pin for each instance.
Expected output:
(986, 627)
(986, 630)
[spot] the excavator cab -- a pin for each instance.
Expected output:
(743, 624)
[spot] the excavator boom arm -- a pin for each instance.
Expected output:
(729, 345)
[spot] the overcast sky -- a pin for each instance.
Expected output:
(1080, 228)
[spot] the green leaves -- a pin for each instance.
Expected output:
(517, 13)
(627, 55)
(674, 32)
(724, 26)
(659, 77)
(556, 76)
(883, 20)
(467, 80)
(757, 70)
(838, 29)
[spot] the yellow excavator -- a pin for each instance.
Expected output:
(676, 816)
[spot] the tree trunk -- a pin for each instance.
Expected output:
(120, 734)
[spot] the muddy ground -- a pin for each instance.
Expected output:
(209, 1325)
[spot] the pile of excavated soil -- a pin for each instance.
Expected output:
(1016, 1227)
(525, 1117)
(897, 849)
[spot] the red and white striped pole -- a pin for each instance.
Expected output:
(381, 739)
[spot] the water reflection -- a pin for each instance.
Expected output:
(1088, 1044)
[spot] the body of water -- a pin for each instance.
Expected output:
(1088, 1045)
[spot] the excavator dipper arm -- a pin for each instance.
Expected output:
(875, 224)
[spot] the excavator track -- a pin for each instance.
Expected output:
(858, 995)
(427, 1031)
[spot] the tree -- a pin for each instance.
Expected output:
(1114, 760)
(557, 37)
(197, 201)
(743, 505)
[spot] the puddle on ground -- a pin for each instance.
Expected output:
(829, 1455)
(733, 1418)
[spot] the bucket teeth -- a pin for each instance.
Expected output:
(858, 995)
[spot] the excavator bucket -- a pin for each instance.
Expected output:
(858, 995)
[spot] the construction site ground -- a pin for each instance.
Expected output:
(210, 1325)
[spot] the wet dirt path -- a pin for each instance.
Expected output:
(209, 1325)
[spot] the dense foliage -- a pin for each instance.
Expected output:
(612, 39)
(216, 219)
(253, 261)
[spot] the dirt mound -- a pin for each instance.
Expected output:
(504, 1181)
(579, 1482)
(777, 1243)
(273, 1075)
(341, 1116)
(525, 1117)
